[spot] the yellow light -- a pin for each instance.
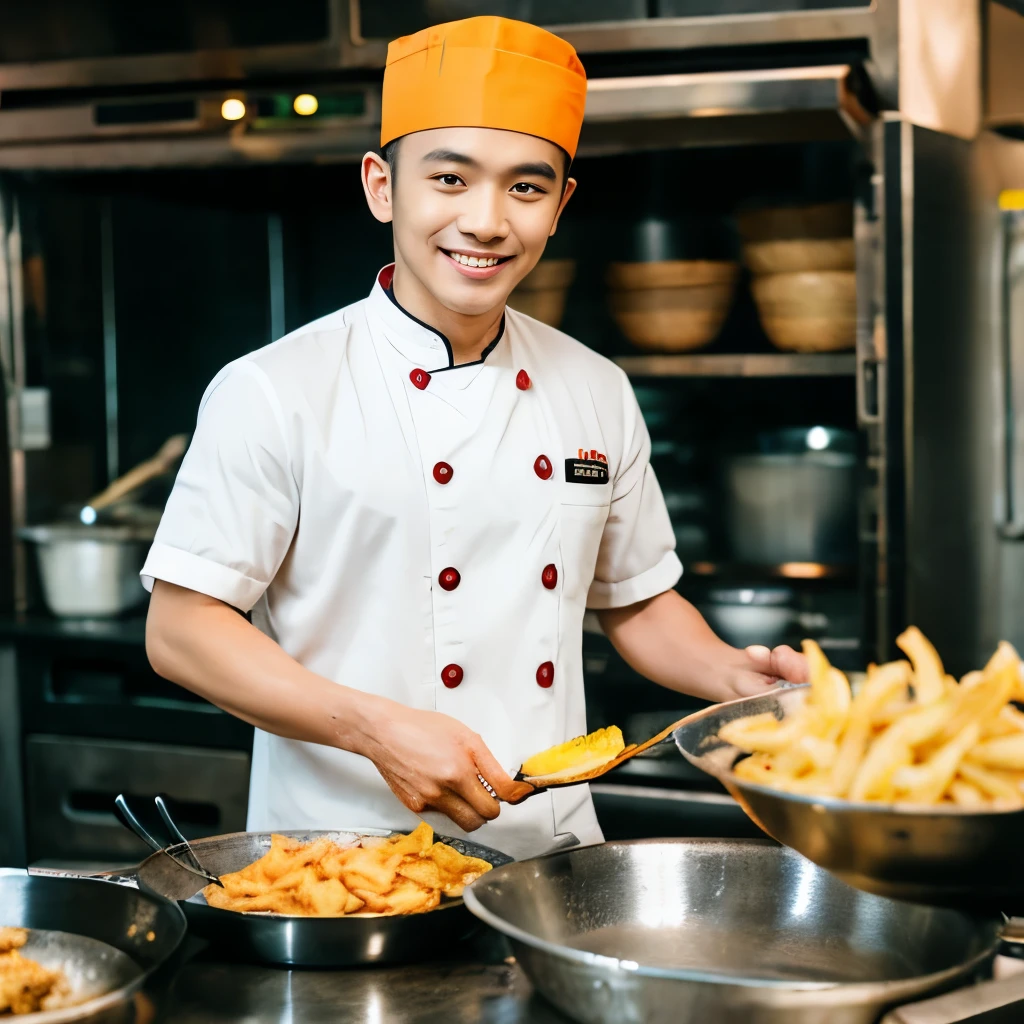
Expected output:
(232, 110)
(803, 570)
(306, 104)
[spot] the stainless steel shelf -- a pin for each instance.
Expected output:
(768, 364)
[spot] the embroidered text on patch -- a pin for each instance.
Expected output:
(589, 467)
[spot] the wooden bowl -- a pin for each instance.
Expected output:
(544, 304)
(822, 220)
(791, 255)
(810, 311)
(673, 319)
(671, 274)
(548, 274)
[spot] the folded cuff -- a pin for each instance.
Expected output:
(183, 569)
(656, 580)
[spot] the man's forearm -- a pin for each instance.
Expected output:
(667, 640)
(210, 649)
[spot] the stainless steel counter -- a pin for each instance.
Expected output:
(479, 984)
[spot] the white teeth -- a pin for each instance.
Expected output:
(473, 261)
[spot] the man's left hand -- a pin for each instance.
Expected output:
(771, 666)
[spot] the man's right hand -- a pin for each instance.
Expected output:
(431, 762)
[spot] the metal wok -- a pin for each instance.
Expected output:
(313, 941)
(939, 856)
(107, 938)
(667, 930)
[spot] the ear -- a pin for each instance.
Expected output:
(570, 187)
(376, 177)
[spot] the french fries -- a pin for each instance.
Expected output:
(399, 875)
(911, 735)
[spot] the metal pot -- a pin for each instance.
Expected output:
(90, 571)
(795, 500)
(665, 930)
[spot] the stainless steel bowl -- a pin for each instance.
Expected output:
(730, 931)
(107, 937)
(939, 856)
(323, 941)
(90, 571)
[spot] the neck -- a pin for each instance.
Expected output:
(467, 335)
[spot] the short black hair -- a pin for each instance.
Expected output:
(390, 155)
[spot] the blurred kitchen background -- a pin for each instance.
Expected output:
(796, 229)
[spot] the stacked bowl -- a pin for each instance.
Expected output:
(801, 259)
(674, 292)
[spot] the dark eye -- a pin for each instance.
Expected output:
(524, 188)
(450, 179)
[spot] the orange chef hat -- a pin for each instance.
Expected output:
(484, 72)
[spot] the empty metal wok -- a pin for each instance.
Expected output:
(306, 941)
(667, 930)
(940, 856)
(106, 938)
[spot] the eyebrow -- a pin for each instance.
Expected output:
(541, 168)
(449, 156)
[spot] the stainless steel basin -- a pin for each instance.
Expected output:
(732, 931)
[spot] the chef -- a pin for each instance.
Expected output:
(418, 496)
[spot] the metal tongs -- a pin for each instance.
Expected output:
(189, 861)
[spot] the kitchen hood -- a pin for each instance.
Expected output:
(623, 114)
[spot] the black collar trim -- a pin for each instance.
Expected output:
(390, 293)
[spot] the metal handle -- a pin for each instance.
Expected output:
(128, 819)
(177, 834)
(125, 816)
(1009, 503)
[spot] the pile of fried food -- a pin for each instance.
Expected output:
(911, 735)
(373, 876)
(25, 986)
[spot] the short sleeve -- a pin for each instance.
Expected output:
(636, 559)
(234, 506)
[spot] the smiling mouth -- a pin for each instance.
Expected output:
(476, 261)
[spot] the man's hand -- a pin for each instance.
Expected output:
(431, 762)
(766, 668)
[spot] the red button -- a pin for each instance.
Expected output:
(449, 578)
(545, 675)
(442, 472)
(420, 379)
(523, 381)
(542, 467)
(549, 577)
(451, 676)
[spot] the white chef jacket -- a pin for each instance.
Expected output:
(426, 532)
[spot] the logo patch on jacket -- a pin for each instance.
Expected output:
(589, 467)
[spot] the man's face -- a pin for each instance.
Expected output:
(472, 209)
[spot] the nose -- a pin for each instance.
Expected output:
(483, 215)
